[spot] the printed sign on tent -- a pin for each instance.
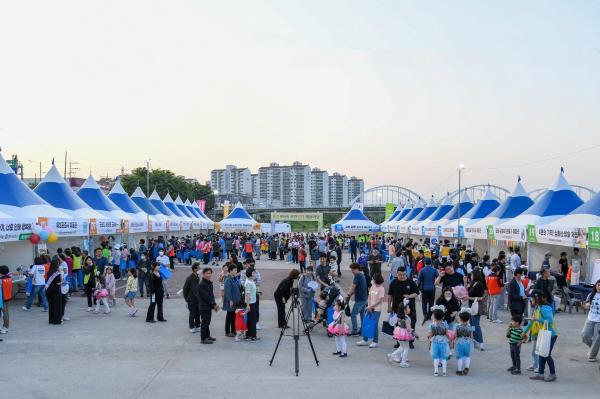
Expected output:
(65, 227)
(571, 236)
(14, 229)
(594, 237)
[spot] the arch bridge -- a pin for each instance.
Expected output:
(584, 192)
(476, 192)
(379, 196)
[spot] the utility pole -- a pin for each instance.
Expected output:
(72, 168)
(148, 177)
(65, 174)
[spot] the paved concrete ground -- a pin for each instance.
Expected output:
(115, 356)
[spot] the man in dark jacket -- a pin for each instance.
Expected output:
(516, 294)
(207, 304)
(545, 284)
(190, 293)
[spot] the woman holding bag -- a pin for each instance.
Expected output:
(543, 319)
(476, 293)
(591, 330)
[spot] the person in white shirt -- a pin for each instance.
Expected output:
(251, 308)
(515, 259)
(38, 276)
(165, 262)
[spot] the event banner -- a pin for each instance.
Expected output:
(417, 230)
(66, 227)
(186, 225)
(104, 226)
(432, 231)
(478, 232)
(202, 205)
(389, 210)
(138, 226)
(12, 229)
(196, 224)
(571, 236)
(594, 237)
(510, 233)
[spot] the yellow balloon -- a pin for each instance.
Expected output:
(53, 237)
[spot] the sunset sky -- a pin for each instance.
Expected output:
(395, 92)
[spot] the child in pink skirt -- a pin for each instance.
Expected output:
(339, 328)
(403, 334)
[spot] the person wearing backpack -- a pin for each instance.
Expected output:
(6, 287)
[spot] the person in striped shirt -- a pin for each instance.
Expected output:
(515, 339)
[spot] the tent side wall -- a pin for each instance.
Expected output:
(16, 254)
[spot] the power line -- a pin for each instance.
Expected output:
(539, 160)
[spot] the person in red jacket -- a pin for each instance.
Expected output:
(494, 285)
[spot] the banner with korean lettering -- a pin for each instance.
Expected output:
(108, 226)
(564, 235)
(510, 233)
(138, 226)
(201, 204)
(66, 227)
(12, 229)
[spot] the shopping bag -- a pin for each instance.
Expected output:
(475, 307)
(165, 272)
(368, 326)
(542, 343)
(329, 315)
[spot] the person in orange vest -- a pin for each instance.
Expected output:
(494, 284)
(6, 287)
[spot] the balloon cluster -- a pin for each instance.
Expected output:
(43, 234)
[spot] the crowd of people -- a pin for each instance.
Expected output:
(470, 288)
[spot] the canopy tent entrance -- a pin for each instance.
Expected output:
(239, 220)
(355, 221)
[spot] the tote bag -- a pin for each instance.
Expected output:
(368, 326)
(542, 344)
(475, 307)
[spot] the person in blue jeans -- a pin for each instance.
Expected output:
(359, 290)
(38, 278)
(374, 307)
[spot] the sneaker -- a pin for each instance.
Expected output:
(459, 372)
(26, 309)
(550, 378)
(373, 345)
(255, 339)
(336, 353)
(443, 374)
(436, 374)
(95, 312)
(44, 310)
(530, 368)
(89, 309)
(66, 318)
(353, 334)
(511, 368)
(466, 371)
(3, 330)
(537, 377)
(206, 342)
(344, 355)
(515, 372)
(497, 321)
(193, 330)
(362, 342)
(404, 365)
(211, 339)
(134, 312)
(257, 326)
(237, 339)
(592, 359)
(107, 312)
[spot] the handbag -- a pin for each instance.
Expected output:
(387, 329)
(165, 272)
(475, 307)
(543, 341)
(369, 326)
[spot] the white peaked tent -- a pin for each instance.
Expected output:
(486, 205)
(461, 208)
(174, 221)
(92, 194)
(186, 222)
(157, 222)
(403, 225)
(210, 224)
(428, 227)
(54, 190)
(393, 224)
(514, 205)
(415, 225)
(196, 222)
(139, 219)
(355, 221)
(385, 225)
(557, 201)
(238, 220)
(205, 224)
(572, 230)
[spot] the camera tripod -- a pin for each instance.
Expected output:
(297, 316)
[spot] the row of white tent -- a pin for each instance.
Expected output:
(90, 211)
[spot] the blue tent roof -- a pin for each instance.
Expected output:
(355, 214)
(91, 193)
(442, 210)
(427, 211)
(396, 213)
(143, 203)
(54, 190)
(202, 214)
(13, 191)
(558, 200)
(461, 208)
(407, 208)
(168, 201)
(484, 207)
(193, 211)
(159, 204)
(415, 211)
(183, 209)
(591, 207)
(121, 199)
(517, 203)
(239, 213)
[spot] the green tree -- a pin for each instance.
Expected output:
(165, 181)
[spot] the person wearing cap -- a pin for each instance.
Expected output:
(426, 283)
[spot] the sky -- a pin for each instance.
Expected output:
(396, 92)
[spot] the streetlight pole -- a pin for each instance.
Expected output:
(460, 168)
(148, 177)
